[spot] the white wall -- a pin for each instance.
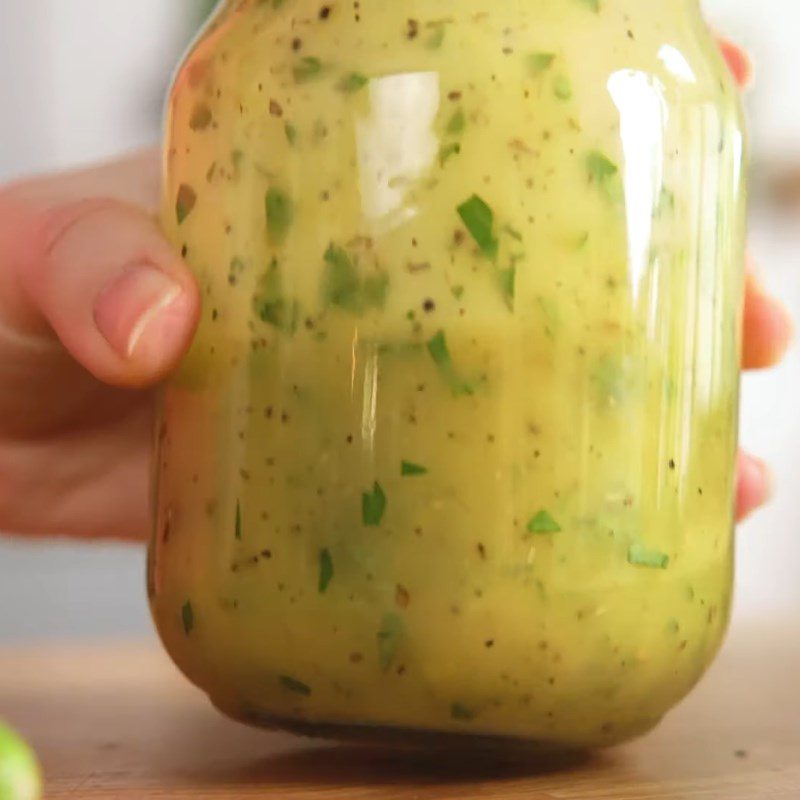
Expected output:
(84, 79)
(770, 30)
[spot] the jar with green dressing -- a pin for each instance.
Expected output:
(453, 450)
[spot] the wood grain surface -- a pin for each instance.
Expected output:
(115, 720)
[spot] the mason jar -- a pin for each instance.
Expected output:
(453, 450)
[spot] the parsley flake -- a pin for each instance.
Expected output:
(373, 505)
(408, 469)
(185, 202)
(325, 570)
(639, 555)
(187, 617)
(294, 685)
(352, 82)
(478, 218)
(306, 69)
(543, 522)
(280, 214)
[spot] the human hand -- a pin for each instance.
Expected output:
(767, 331)
(95, 309)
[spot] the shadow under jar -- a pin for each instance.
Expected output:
(453, 449)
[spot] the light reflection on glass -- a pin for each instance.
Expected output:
(643, 115)
(676, 63)
(397, 145)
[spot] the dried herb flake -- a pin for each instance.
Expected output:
(294, 685)
(325, 570)
(187, 617)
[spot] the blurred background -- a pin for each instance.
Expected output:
(85, 79)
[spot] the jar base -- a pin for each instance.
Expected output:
(386, 737)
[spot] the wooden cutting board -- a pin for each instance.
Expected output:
(115, 720)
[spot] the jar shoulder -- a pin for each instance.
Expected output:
(301, 44)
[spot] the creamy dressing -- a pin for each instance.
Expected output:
(453, 449)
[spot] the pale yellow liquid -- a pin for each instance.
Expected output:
(602, 391)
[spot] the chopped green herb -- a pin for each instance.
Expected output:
(352, 82)
(593, 5)
(512, 232)
(374, 290)
(390, 635)
(271, 305)
(185, 203)
(408, 468)
(293, 685)
(562, 87)
(610, 376)
(543, 522)
(581, 240)
(291, 133)
(457, 291)
(439, 352)
(600, 166)
(460, 712)
(673, 626)
(478, 218)
(238, 528)
(642, 556)
(436, 39)
(457, 122)
(666, 201)
(306, 69)
(373, 506)
(342, 283)
(280, 214)
(325, 570)
(507, 279)
(539, 62)
(603, 172)
(344, 288)
(187, 617)
(448, 150)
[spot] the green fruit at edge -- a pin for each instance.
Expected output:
(20, 776)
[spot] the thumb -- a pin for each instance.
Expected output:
(100, 275)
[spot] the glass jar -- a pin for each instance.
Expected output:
(453, 451)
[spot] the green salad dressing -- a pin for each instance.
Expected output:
(453, 449)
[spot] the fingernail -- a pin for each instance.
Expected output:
(767, 480)
(769, 325)
(756, 485)
(130, 303)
